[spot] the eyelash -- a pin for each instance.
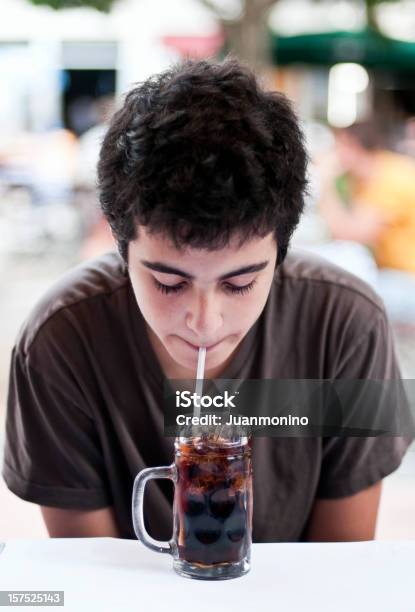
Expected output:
(166, 289)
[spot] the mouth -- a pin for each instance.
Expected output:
(209, 347)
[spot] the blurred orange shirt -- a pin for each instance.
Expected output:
(391, 192)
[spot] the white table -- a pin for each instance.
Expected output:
(100, 574)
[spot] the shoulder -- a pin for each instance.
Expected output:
(309, 274)
(335, 323)
(89, 281)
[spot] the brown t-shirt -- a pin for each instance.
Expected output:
(86, 390)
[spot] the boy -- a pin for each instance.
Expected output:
(201, 177)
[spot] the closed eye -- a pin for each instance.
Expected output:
(233, 289)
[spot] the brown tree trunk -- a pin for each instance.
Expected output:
(249, 37)
(371, 22)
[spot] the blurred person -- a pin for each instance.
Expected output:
(53, 166)
(377, 210)
(97, 237)
(313, 233)
(201, 176)
(41, 161)
(406, 145)
(37, 177)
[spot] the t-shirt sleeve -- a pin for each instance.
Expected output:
(351, 464)
(52, 452)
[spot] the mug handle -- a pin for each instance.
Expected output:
(140, 482)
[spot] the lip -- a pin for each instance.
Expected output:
(208, 348)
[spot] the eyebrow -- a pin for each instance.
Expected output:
(159, 266)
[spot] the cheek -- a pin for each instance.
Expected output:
(255, 308)
(164, 313)
(259, 300)
(240, 313)
(158, 311)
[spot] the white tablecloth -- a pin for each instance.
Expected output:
(100, 574)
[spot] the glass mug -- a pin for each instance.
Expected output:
(212, 508)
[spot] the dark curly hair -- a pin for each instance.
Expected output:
(199, 151)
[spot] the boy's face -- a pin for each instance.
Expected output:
(193, 297)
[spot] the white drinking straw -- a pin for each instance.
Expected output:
(199, 378)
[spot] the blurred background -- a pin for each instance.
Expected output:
(347, 65)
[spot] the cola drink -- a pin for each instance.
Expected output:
(213, 500)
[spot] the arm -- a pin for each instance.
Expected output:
(53, 456)
(345, 519)
(62, 523)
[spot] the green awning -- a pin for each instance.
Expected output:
(365, 47)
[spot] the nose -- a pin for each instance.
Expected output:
(204, 317)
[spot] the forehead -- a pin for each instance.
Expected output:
(200, 262)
